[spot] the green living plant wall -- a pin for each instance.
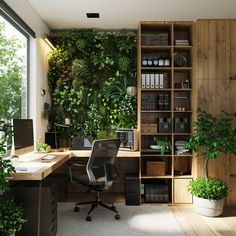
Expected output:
(89, 72)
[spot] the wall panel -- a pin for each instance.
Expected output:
(214, 58)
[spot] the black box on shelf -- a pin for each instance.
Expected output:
(165, 125)
(149, 101)
(181, 125)
(158, 192)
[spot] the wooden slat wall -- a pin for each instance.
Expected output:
(214, 63)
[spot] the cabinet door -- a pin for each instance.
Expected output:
(181, 194)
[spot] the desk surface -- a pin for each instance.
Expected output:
(44, 168)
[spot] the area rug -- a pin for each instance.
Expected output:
(143, 220)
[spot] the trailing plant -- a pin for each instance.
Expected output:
(86, 67)
(212, 188)
(212, 136)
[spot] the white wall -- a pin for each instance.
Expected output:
(38, 63)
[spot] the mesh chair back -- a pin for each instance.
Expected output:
(103, 156)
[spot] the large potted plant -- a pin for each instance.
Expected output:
(11, 213)
(212, 136)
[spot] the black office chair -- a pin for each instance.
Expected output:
(101, 173)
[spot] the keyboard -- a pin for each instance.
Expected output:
(31, 156)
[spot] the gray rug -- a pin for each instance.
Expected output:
(144, 220)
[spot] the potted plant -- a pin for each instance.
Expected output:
(212, 136)
(42, 147)
(11, 213)
(161, 144)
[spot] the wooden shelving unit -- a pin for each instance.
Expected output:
(165, 67)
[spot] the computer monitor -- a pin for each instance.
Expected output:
(23, 136)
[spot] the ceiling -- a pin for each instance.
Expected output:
(127, 13)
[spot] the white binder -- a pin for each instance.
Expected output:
(161, 81)
(148, 80)
(143, 80)
(152, 80)
(157, 77)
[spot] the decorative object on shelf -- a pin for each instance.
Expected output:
(180, 60)
(178, 85)
(213, 135)
(185, 84)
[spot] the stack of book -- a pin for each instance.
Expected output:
(181, 42)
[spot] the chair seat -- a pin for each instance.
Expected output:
(84, 179)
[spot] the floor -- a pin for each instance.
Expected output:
(192, 223)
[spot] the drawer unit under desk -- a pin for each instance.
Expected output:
(27, 193)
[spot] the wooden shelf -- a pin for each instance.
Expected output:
(157, 68)
(156, 177)
(157, 89)
(147, 134)
(164, 111)
(183, 176)
(173, 76)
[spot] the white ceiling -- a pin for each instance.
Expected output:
(117, 14)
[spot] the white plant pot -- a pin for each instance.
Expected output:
(208, 207)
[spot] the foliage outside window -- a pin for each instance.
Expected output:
(89, 72)
(13, 67)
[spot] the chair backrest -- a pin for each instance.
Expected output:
(102, 160)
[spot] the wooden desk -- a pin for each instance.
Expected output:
(45, 167)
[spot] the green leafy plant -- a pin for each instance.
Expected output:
(42, 147)
(212, 136)
(212, 189)
(11, 212)
(11, 216)
(163, 143)
(87, 67)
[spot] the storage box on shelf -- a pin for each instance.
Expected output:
(165, 111)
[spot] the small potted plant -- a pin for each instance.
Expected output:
(212, 136)
(11, 212)
(161, 144)
(42, 147)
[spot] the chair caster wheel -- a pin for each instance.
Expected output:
(88, 218)
(76, 209)
(117, 216)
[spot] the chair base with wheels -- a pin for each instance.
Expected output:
(96, 203)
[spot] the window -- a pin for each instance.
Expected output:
(13, 72)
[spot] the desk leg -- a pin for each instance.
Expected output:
(39, 206)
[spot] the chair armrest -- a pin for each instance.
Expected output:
(110, 173)
(70, 167)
